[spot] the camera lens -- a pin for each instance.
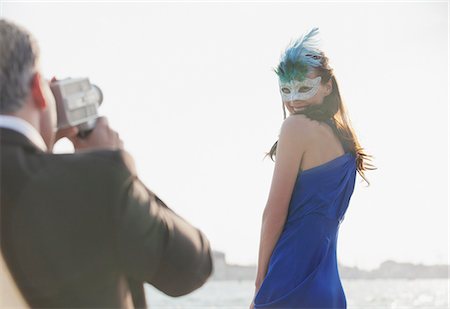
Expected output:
(99, 93)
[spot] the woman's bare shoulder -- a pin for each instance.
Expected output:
(298, 123)
(297, 130)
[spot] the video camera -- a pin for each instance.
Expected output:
(77, 102)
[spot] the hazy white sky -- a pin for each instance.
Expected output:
(190, 89)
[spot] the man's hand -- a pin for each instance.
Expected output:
(102, 137)
(66, 132)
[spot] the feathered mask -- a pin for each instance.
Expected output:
(298, 56)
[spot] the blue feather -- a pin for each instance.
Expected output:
(298, 56)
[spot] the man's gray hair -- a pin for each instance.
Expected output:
(19, 54)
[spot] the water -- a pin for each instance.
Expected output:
(376, 294)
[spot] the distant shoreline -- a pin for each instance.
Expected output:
(387, 270)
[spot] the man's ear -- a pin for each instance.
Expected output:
(37, 92)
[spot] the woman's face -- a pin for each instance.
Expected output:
(294, 105)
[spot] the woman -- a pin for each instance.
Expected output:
(317, 156)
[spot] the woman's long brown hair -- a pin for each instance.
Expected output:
(333, 108)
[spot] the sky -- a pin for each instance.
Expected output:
(191, 90)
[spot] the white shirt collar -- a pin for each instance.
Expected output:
(19, 125)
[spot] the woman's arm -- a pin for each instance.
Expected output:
(294, 137)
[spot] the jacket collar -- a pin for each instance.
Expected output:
(14, 138)
(25, 128)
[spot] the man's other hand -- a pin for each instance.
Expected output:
(101, 137)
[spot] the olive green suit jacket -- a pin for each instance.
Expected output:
(81, 230)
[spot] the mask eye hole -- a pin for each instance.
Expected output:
(304, 89)
(285, 90)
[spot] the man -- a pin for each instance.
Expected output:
(80, 230)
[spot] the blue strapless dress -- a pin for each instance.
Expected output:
(302, 271)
